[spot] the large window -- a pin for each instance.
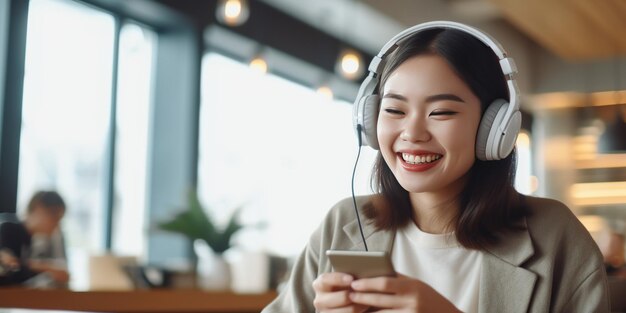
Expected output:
(280, 150)
(67, 136)
(65, 125)
(132, 133)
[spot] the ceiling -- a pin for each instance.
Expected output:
(574, 30)
(571, 29)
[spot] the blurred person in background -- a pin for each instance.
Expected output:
(34, 246)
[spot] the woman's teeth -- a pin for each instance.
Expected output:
(420, 159)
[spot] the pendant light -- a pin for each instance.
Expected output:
(259, 64)
(232, 12)
(350, 64)
(325, 91)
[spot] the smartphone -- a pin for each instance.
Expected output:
(361, 264)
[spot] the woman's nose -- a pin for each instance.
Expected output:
(415, 131)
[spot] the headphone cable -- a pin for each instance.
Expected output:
(358, 218)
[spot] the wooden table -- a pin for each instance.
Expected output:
(174, 301)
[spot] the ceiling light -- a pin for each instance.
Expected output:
(232, 12)
(259, 64)
(326, 92)
(350, 64)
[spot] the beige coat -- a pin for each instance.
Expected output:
(552, 266)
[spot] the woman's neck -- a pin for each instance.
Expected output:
(431, 214)
(434, 212)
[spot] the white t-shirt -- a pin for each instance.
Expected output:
(439, 261)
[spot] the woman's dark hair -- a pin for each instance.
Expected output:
(49, 200)
(488, 203)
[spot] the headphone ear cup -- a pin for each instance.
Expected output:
(485, 138)
(370, 120)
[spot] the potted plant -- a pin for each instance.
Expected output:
(194, 223)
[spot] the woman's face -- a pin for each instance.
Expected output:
(427, 125)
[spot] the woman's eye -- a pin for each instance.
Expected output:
(436, 113)
(394, 111)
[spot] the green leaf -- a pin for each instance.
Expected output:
(194, 223)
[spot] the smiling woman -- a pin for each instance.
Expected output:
(445, 116)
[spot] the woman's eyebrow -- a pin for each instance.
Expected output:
(395, 96)
(433, 98)
(444, 96)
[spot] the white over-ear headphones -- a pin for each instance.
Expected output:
(500, 123)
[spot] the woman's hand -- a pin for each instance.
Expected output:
(399, 294)
(332, 294)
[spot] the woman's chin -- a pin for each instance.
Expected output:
(412, 187)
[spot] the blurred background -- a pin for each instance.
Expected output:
(124, 106)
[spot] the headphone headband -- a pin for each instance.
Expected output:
(485, 38)
(507, 64)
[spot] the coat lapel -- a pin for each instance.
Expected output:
(505, 286)
(376, 240)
